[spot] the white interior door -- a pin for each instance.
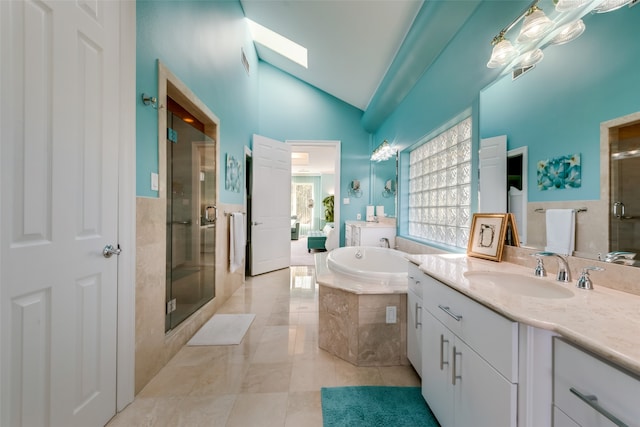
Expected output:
(493, 175)
(59, 209)
(270, 205)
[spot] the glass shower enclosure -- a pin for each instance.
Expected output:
(191, 216)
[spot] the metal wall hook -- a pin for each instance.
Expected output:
(150, 101)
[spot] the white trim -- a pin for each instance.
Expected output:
(524, 151)
(125, 371)
(337, 145)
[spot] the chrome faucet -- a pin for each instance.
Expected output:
(619, 256)
(385, 242)
(564, 274)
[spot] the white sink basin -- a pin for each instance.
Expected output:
(519, 284)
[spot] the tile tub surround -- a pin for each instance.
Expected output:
(352, 319)
(604, 321)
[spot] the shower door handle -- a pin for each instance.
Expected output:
(109, 250)
(617, 205)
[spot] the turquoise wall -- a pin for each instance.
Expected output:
(556, 109)
(291, 109)
(200, 42)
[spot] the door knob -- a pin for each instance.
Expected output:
(110, 250)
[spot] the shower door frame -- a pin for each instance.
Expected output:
(169, 85)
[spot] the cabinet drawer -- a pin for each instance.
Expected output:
(492, 336)
(560, 419)
(579, 376)
(415, 280)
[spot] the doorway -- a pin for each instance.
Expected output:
(624, 196)
(188, 169)
(191, 219)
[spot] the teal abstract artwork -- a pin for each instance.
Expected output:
(234, 172)
(560, 173)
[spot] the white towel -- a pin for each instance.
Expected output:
(561, 231)
(236, 241)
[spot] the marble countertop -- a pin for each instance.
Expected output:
(603, 321)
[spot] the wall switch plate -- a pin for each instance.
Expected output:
(346, 201)
(391, 314)
(359, 217)
(154, 181)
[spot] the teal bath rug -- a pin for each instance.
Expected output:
(373, 406)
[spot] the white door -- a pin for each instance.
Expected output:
(270, 205)
(493, 175)
(59, 205)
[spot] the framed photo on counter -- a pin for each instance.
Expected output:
(487, 236)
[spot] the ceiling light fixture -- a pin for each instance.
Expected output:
(384, 152)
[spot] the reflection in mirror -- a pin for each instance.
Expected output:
(609, 224)
(624, 192)
(383, 185)
(354, 189)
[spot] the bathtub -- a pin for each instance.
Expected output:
(369, 264)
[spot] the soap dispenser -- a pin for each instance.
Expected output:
(584, 282)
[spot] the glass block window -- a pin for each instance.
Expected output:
(440, 187)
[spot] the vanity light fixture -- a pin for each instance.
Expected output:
(384, 152)
(567, 5)
(569, 32)
(529, 59)
(611, 5)
(535, 25)
(539, 30)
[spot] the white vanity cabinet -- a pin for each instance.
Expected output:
(469, 360)
(414, 317)
(360, 233)
(590, 392)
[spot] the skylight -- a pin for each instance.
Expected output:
(278, 43)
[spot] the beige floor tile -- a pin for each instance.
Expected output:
(259, 410)
(147, 412)
(203, 411)
(311, 375)
(273, 377)
(220, 379)
(348, 374)
(304, 409)
(267, 378)
(400, 376)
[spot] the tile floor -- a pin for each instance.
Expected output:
(273, 378)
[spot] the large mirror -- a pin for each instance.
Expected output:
(610, 223)
(580, 100)
(383, 185)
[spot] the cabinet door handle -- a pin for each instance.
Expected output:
(454, 377)
(442, 362)
(418, 321)
(592, 401)
(447, 310)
